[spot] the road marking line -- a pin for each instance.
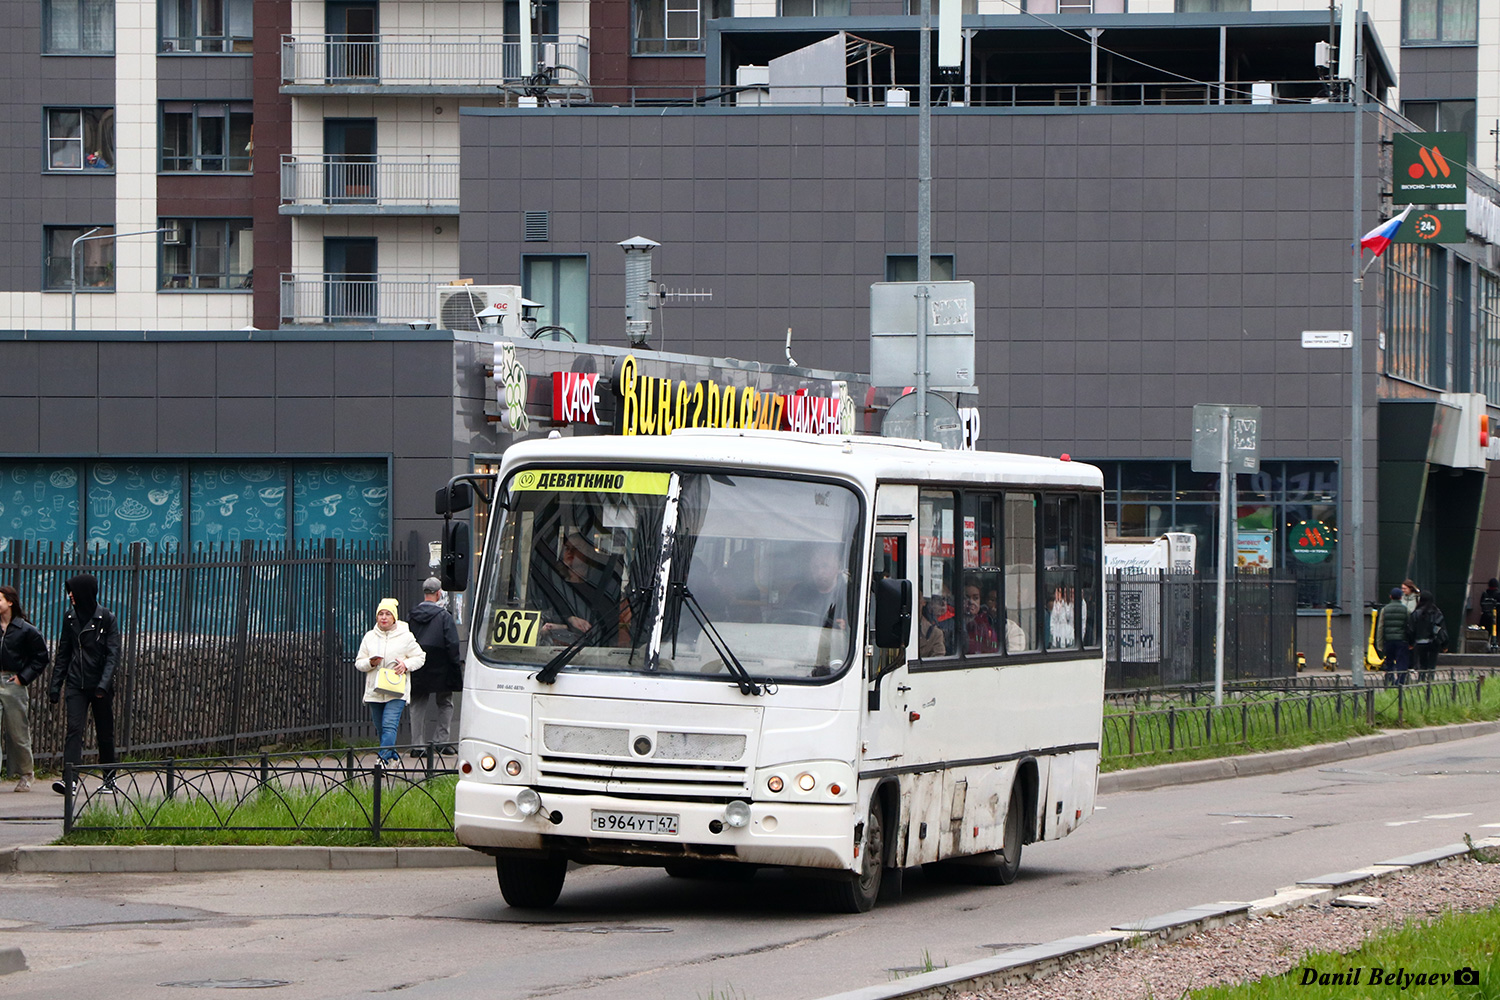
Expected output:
(1403, 822)
(1447, 816)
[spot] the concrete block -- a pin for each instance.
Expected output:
(1428, 857)
(1289, 898)
(235, 858)
(441, 857)
(147, 858)
(11, 960)
(7, 860)
(1336, 879)
(361, 858)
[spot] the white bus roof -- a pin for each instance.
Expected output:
(861, 458)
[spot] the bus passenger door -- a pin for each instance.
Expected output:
(887, 676)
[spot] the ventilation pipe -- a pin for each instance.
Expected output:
(640, 289)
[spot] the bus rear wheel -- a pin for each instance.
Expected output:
(856, 892)
(530, 883)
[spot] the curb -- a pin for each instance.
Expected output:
(1216, 768)
(1021, 965)
(154, 858)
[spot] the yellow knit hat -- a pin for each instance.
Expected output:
(389, 604)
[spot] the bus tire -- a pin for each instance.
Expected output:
(530, 883)
(856, 892)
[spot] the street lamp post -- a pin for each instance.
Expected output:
(73, 265)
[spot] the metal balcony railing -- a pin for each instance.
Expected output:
(356, 298)
(380, 182)
(448, 60)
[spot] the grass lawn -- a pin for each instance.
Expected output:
(338, 818)
(1422, 957)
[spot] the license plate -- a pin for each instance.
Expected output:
(623, 822)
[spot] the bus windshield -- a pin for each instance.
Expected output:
(635, 566)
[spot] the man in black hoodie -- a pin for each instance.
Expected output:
(87, 652)
(432, 694)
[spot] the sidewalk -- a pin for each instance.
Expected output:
(32, 820)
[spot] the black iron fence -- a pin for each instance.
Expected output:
(337, 792)
(222, 643)
(1254, 717)
(1161, 628)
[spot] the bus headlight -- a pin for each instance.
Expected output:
(737, 814)
(528, 801)
(806, 782)
(513, 768)
(487, 762)
(774, 783)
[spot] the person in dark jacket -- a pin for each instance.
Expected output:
(23, 658)
(88, 651)
(1393, 642)
(1489, 601)
(1425, 628)
(433, 686)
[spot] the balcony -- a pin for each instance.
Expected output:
(429, 64)
(365, 299)
(368, 185)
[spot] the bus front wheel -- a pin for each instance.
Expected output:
(856, 892)
(529, 883)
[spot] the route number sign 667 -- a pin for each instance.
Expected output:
(515, 628)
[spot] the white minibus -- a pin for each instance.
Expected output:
(718, 650)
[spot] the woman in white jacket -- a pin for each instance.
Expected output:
(389, 644)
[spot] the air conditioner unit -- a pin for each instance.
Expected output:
(458, 307)
(173, 234)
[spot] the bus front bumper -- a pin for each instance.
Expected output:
(786, 834)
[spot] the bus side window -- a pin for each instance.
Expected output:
(889, 564)
(1020, 567)
(937, 615)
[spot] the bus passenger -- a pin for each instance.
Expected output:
(979, 629)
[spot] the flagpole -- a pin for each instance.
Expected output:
(1357, 407)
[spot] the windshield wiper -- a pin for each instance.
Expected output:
(741, 675)
(549, 673)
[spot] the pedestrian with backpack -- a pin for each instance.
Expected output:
(1429, 634)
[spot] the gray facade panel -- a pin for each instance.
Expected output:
(186, 370)
(127, 370)
(69, 426)
(187, 426)
(304, 425)
(204, 78)
(246, 425)
(1439, 73)
(127, 426)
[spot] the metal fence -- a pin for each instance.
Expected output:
(1270, 714)
(361, 298)
(1161, 628)
(377, 181)
(428, 60)
(334, 792)
(219, 643)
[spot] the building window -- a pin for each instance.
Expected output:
(1489, 335)
(561, 285)
(1439, 22)
(903, 267)
(1415, 323)
(96, 259)
(206, 253)
(1144, 499)
(914, 7)
(817, 8)
(205, 137)
(84, 27)
(1212, 6)
(674, 27)
(80, 139)
(1443, 116)
(206, 25)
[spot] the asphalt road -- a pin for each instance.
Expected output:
(628, 933)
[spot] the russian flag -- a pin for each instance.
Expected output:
(1380, 237)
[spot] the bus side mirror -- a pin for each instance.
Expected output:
(453, 568)
(892, 613)
(453, 498)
